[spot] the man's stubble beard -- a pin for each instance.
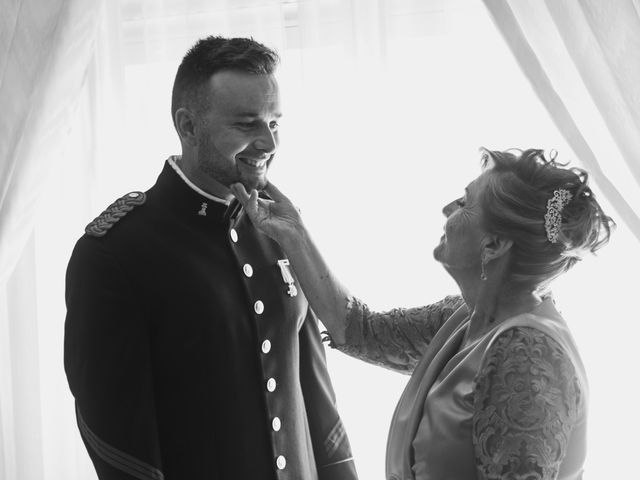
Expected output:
(210, 160)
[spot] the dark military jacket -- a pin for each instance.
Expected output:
(189, 351)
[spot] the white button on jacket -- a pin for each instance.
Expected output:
(258, 307)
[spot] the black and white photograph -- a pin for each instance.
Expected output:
(319, 239)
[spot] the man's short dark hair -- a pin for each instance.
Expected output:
(212, 54)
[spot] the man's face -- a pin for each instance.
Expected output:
(237, 131)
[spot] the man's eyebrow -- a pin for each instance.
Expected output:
(253, 115)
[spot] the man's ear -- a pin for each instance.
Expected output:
(494, 247)
(186, 126)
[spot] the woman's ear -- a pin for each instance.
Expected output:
(495, 247)
(186, 127)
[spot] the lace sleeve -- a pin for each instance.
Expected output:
(395, 339)
(526, 403)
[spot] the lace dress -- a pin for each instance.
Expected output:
(511, 405)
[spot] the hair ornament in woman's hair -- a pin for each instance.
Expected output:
(553, 217)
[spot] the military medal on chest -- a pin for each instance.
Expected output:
(287, 277)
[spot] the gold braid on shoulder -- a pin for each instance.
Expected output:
(114, 212)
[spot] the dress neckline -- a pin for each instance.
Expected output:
(545, 309)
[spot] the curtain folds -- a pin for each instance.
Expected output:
(45, 51)
(583, 64)
(46, 48)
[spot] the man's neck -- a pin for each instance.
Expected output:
(220, 194)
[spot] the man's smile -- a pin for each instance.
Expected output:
(258, 164)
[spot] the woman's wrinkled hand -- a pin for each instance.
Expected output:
(278, 218)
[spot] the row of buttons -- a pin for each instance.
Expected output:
(258, 307)
(276, 424)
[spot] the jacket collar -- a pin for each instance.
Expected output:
(180, 195)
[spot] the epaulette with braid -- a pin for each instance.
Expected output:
(118, 209)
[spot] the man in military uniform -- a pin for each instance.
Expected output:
(190, 350)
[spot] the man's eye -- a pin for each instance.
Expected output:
(460, 202)
(274, 125)
(245, 125)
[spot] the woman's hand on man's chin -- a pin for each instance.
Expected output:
(278, 218)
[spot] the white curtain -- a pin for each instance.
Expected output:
(386, 103)
(45, 52)
(582, 59)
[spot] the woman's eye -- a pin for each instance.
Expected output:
(246, 125)
(274, 125)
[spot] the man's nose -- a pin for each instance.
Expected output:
(267, 141)
(447, 209)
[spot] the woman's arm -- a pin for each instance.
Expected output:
(527, 400)
(395, 339)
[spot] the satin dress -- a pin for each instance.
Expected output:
(430, 437)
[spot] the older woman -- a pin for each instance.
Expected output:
(498, 390)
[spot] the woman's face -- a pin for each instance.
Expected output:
(460, 247)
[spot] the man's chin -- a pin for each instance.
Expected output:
(252, 184)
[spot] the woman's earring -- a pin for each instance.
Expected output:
(483, 273)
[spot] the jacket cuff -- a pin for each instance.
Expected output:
(340, 470)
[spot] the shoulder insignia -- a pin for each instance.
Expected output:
(114, 213)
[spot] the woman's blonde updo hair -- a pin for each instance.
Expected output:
(514, 206)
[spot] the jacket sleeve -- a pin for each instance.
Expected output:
(331, 447)
(108, 366)
(395, 339)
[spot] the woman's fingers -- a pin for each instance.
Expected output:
(253, 198)
(275, 193)
(255, 207)
(246, 198)
(240, 193)
(249, 201)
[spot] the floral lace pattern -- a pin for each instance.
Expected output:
(526, 402)
(395, 339)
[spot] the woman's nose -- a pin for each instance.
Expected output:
(448, 209)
